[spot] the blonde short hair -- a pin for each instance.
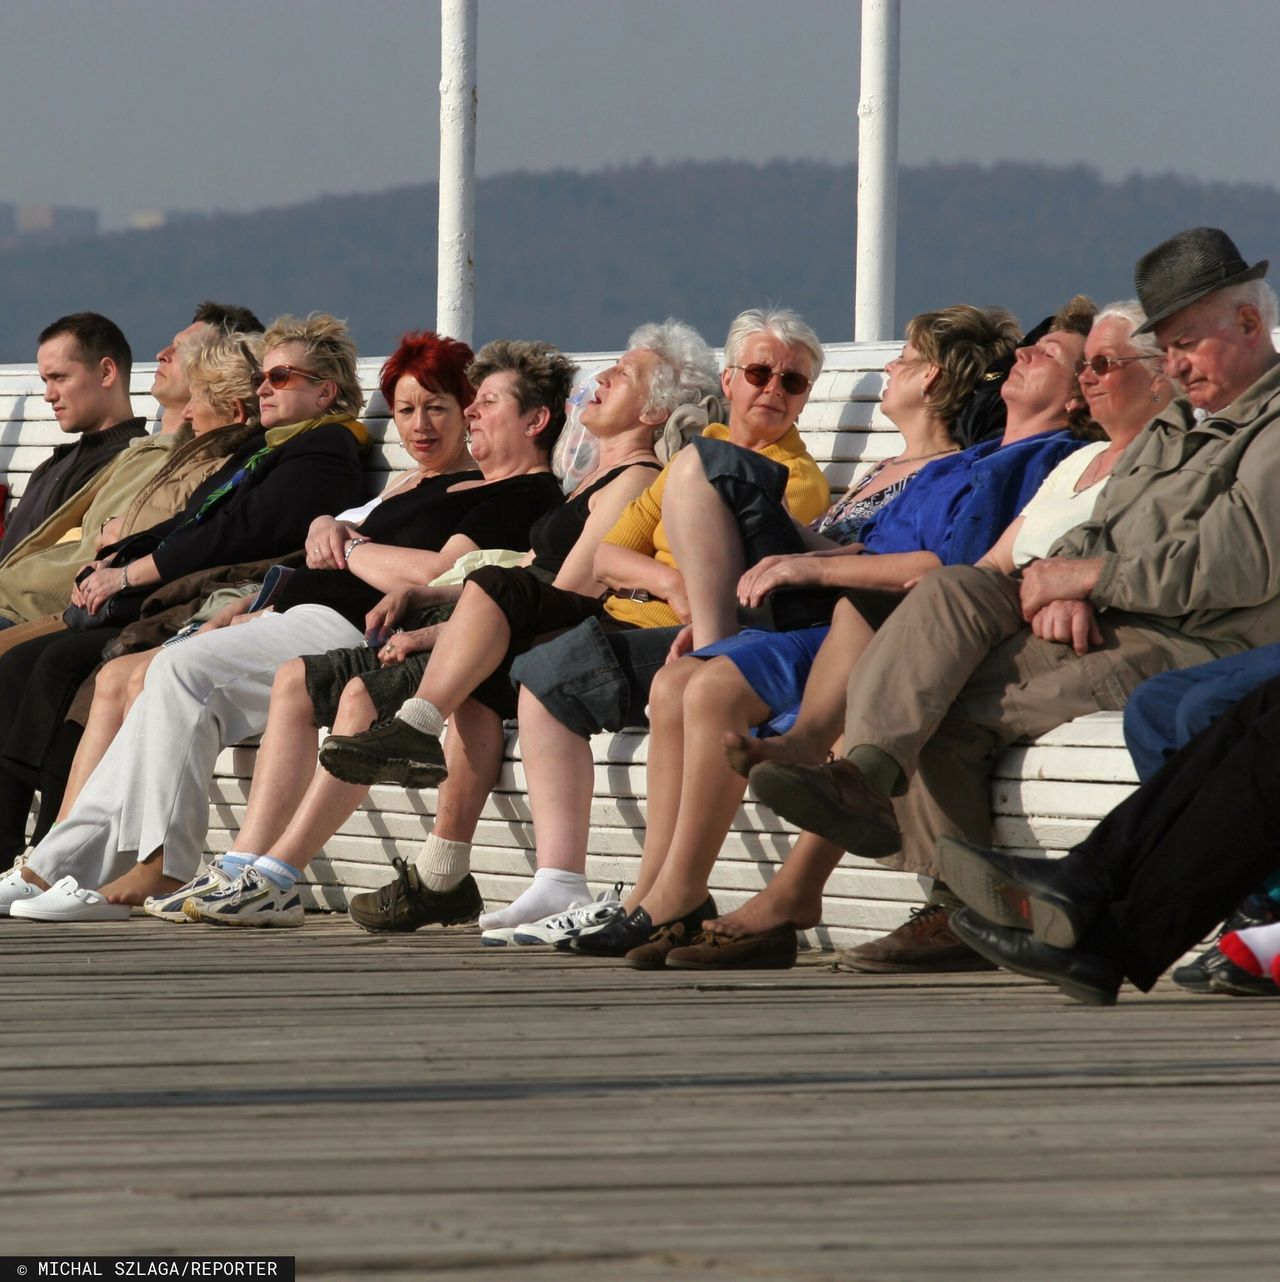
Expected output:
(328, 351)
(223, 368)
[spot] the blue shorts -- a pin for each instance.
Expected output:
(774, 664)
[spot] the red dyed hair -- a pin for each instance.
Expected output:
(438, 363)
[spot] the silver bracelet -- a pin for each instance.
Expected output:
(351, 546)
(124, 577)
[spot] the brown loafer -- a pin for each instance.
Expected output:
(653, 953)
(713, 950)
(923, 943)
(834, 801)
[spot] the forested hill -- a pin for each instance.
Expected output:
(582, 258)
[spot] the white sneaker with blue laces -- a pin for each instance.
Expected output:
(169, 907)
(250, 900)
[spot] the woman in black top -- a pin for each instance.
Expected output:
(139, 824)
(498, 614)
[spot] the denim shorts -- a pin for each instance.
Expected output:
(595, 677)
(752, 488)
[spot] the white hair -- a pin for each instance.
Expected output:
(1251, 293)
(686, 369)
(1130, 311)
(784, 324)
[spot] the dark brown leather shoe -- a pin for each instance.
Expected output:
(922, 944)
(713, 950)
(834, 801)
(405, 904)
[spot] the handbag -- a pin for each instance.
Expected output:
(124, 607)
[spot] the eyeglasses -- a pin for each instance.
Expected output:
(793, 382)
(279, 375)
(1103, 365)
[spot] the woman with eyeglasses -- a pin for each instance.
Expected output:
(137, 828)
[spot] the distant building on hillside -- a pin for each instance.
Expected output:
(26, 223)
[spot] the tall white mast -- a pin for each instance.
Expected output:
(876, 265)
(455, 270)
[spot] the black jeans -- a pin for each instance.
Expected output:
(38, 681)
(1184, 849)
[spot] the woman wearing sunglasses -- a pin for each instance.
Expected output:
(138, 826)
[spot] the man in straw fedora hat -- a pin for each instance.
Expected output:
(1179, 564)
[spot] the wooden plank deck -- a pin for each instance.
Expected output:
(421, 1107)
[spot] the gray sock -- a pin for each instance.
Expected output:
(422, 715)
(882, 772)
(443, 864)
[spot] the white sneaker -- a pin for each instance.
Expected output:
(67, 900)
(498, 936)
(169, 907)
(578, 919)
(250, 900)
(14, 889)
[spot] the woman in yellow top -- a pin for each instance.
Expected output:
(596, 676)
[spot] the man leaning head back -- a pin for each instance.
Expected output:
(1211, 313)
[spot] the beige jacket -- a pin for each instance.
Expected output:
(1188, 526)
(146, 483)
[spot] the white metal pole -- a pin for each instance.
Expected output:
(877, 251)
(455, 270)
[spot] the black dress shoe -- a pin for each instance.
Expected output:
(1018, 892)
(1086, 977)
(619, 937)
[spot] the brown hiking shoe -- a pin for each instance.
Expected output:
(923, 943)
(405, 904)
(834, 801)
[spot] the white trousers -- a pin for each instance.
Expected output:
(151, 788)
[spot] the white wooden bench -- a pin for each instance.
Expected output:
(1046, 795)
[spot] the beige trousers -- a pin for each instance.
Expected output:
(955, 676)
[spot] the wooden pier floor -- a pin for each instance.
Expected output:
(421, 1107)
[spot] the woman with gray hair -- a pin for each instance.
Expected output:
(498, 614)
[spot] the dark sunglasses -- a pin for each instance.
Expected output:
(793, 382)
(279, 375)
(1103, 365)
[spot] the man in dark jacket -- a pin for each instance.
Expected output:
(84, 362)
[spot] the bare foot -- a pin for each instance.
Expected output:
(765, 912)
(744, 751)
(140, 881)
(27, 875)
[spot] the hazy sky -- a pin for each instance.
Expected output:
(235, 104)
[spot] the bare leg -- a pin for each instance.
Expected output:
(286, 761)
(114, 691)
(478, 637)
(706, 545)
(560, 781)
(716, 696)
(665, 772)
(821, 716)
(794, 895)
(318, 803)
(473, 755)
(146, 877)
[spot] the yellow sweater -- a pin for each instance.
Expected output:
(640, 526)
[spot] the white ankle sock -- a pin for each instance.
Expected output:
(553, 891)
(422, 715)
(443, 864)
